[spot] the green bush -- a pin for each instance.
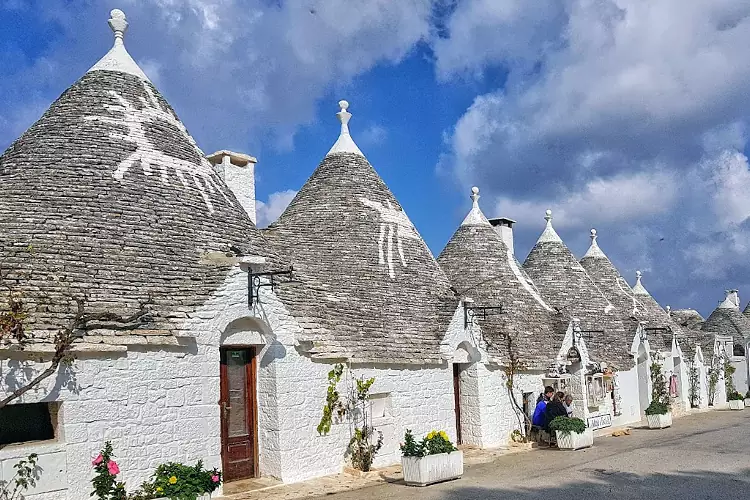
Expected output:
(567, 425)
(434, 443)
(179, 482)
(657, 408)
(735, 396)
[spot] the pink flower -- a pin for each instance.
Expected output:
(113, 468)
(97, 460)
(215, 478)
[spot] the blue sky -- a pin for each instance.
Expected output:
(629, 116)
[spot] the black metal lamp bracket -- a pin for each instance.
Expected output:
(255, 283)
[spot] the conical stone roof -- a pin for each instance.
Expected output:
(566, 285)
(727, 319)
(481, 266)
(369, 289)
(108, 196)
(632, 306)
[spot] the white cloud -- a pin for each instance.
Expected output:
(373, 135)
(268, 212)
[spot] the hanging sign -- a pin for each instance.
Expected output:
(573, 355)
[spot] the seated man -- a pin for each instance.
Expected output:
(538, 419)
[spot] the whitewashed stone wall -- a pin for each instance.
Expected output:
(153, 405)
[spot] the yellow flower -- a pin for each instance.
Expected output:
(172, 480)
(159, 489)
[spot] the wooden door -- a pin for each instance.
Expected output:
(239, 443)
(457, 399)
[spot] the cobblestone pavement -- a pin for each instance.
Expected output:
(703, 456)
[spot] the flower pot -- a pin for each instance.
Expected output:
(736, 404)
(421, 471)
(206, 496)
(659, 421)
(573, 440)
(747, 402)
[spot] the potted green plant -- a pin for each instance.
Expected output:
(571, 433)
(736, 401)
(658, 415)
(747, 399)
(432, 460)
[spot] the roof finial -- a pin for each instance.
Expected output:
(638, 288)
(475, 216)
(669, 310)
(118, 23)
(549, 235)
(344, 144)
(594, 250)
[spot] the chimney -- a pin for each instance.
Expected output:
(238, 172)
(504, 227)
(731, 301)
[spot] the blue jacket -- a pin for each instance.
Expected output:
(538, 418)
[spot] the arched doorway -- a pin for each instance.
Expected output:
(463, 377)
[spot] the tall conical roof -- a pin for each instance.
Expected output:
(566, 285)
(727, 319)
(481, 266)
(633, 307)
(108, 195)
(370, 288)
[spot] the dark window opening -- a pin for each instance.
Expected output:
(738, 350)
(27, 422)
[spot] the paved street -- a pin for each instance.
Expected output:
(704, 456)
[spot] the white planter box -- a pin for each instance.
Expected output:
(736, 404)
(747, 403)
(573, 440)
(207, 496)
(659, 421)
(433, 468)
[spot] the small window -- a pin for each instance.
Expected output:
(20, 423)
(738, 350)
(380, 404)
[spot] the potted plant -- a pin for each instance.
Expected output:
(432, 460)
(658, 415)
(747, 399)
(736, 401)
(178, 481)
(571, 433)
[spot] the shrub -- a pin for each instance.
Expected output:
(657, 408)
(180, 482)
(26, 474)
(105, 482)
(735, 396)
(434, 443)
(567, 425)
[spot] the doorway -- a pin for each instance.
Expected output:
(239, 440)
(457, 399)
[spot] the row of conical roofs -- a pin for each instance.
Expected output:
(107, 196)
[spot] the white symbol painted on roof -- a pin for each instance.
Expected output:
(149, 155)
(392, 221)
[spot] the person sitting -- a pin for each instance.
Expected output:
(555, 408)
(538, 419)
(569, 404)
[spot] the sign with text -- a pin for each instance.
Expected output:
(599, 421)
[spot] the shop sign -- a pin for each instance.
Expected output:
(599, 421)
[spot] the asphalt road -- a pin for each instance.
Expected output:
(703, 456)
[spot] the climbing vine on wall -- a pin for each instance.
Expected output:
(694, 389)
(363, 445)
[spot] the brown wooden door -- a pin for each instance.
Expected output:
(238, 413)
(457, 399)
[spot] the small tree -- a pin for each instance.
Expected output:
(356, 407)
(25, 476)
(659, 392)
(694, 389)
(728, 379)
(713, 382)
